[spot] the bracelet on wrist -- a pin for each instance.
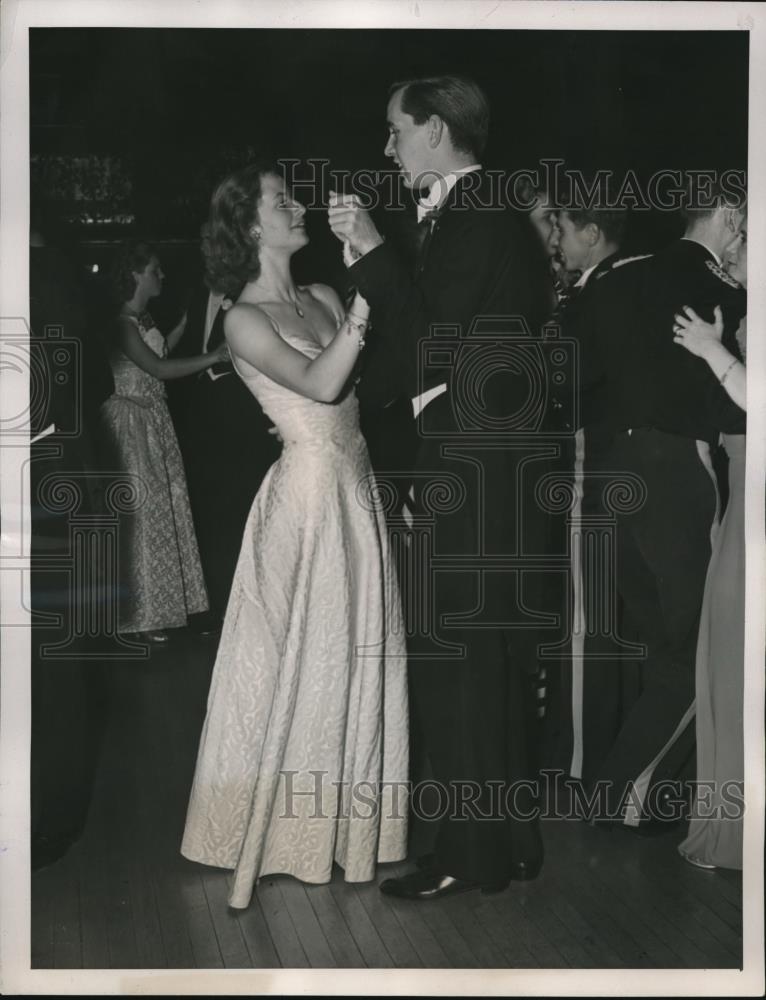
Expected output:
(359, 326)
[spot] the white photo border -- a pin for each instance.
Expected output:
(20, 15)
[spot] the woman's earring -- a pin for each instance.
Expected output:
(256, 233)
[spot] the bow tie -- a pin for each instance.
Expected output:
(428, 214)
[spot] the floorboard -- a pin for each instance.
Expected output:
(307, 927)
(367, 935)
(124, 897)
(91, 877)
(231, 943)
(292, 954)
(257, 937)
(389, 928)
(340, 939)
(45, 888)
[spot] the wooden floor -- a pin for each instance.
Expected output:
(124, 897)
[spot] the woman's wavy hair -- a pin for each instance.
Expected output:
(132, 257)
(231, 255)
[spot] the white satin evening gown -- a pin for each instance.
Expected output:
(303, 759)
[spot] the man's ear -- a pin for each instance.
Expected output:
(732, 218)
(436, 129)
(594, 233)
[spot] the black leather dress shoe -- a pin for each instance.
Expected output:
(205, 624)
(432, 885)
(521, 871)
(210, 631)
(155, 636)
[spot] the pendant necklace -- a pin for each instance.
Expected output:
(297, 308)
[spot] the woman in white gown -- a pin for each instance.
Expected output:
(303, 759)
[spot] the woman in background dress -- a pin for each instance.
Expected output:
(160, 574)
(715, 832)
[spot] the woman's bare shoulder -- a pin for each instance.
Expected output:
(328, 297)
(246, 316)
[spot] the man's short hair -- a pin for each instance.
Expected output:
(611, 221)
(527, 194)
(458, 100)
(714, 196)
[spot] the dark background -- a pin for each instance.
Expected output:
(132, 127)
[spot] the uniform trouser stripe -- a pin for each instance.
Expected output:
(578, 616)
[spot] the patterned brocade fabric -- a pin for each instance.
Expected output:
(161, 578)
(304, 753)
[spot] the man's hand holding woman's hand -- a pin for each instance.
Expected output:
(353, 226)
(221, 353)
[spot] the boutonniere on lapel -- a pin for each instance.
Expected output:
(226, 304)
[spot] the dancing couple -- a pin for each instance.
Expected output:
(304, 754)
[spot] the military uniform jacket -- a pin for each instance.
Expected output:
(577, 322)
(650, 380)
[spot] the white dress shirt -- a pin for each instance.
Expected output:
(440, 188)
(582, 280)
(214, 301)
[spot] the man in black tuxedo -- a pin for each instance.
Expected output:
(227, 450)
(665, 409)
(469, 696)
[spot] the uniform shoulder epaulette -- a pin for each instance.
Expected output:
(620, 262)
(629, 260)
(720, 273)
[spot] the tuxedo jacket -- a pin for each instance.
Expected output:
(223, 434)
(182, 391)
(480, 259)
(220, 412)
(650, 380)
